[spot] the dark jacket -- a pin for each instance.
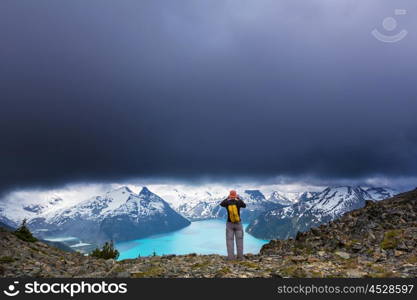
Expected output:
(238, 202)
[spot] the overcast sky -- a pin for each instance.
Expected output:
(100, 90)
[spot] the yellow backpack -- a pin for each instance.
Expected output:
(233, 213)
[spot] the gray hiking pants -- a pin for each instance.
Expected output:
(234, 231)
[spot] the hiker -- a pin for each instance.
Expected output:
(234, 229)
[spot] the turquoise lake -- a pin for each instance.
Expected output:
(201, 237)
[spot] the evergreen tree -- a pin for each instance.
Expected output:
(108, 251)
(24, 233)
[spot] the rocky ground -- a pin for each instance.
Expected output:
(379, 240)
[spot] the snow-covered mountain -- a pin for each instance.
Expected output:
(379, 193)
(119, 214)
(257, 203)
(287, 199)
(202, 202)
(52, 214)
(194, 202)
(141, 215)
(5, 220)
(123, 214)
(41, 208)
(313, 210)
(12, 213)
(21, 205)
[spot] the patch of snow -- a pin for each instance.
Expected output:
(79, 245)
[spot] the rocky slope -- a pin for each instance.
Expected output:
(312, 211)
(382, 232)
(379, 240)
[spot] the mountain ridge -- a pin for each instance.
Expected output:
(94, 219)
(107, 216)
(320, 208)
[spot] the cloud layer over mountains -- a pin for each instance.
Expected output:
(106, 91)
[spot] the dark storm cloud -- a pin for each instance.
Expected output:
(106, 90)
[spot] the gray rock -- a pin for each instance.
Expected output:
(342, 254)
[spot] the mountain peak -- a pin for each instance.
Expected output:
(145, 192)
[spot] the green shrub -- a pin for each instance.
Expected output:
(106, 252)
(24, 233)
(6, 259)
(391, 239)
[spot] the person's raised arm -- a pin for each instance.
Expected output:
(241, 203)
(224, 203)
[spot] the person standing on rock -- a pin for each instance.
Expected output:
(234, 228)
